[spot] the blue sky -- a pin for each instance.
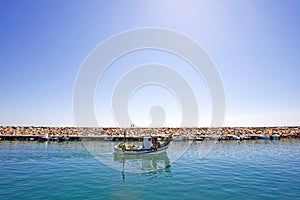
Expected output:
(255, 46)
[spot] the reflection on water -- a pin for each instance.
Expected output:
(147, 163)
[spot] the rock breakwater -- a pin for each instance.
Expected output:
(185, 133)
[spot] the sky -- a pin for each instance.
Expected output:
(254, 45)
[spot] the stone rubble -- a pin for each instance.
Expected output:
(284, 132)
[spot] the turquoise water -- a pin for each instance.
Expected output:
(232, 170)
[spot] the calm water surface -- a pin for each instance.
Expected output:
(233, 170)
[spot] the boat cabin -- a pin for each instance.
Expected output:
(147, 143)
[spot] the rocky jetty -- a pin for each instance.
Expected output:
(185, 133)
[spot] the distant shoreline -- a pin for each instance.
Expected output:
(33, 132)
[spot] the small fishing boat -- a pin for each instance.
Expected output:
(63, 138)
(151, 145)
(264, 137)
(274, 137)
(198, 138)
(237, 137)
(177, 137)
(44, 139)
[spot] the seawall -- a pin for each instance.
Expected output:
(34, 132)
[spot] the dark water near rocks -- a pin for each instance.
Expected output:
(233, 170)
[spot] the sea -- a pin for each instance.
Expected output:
(255, 169)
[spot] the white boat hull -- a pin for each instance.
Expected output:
(141, 151)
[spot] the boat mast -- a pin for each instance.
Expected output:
(124, 136)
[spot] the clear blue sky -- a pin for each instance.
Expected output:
(254, 44)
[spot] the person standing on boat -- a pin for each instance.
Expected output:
(154, 143)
